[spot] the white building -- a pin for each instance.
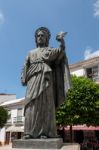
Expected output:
(88, 68)
(14, 127)
(6, 97)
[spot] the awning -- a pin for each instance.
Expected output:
(82, 127)
(15, 129)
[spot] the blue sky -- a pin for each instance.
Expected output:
(20, 18)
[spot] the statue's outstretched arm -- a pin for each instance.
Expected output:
(60, 38)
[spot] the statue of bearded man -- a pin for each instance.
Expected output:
(46, 75)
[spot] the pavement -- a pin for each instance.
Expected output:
(67, 147)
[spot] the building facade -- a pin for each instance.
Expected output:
(14, 127)
(88, 68)
(6, 97)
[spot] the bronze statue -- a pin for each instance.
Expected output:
(46, 75)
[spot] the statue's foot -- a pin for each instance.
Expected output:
(27, 137)
(46, 137)
(43, 137)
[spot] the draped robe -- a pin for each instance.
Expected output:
(47, 77)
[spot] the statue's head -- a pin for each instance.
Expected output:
(42, 36)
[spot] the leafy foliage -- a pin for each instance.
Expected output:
(3, 116)
(81, 105)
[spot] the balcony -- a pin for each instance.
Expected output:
(9, 121)
(18, 120)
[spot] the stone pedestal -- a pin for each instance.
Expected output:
(51, 143)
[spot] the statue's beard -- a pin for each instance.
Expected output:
(41, 44)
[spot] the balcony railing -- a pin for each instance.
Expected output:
(9, 121)
(16, 120)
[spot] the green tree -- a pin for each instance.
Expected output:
(81, 105)
(3, 116)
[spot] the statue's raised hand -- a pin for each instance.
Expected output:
(60, 36)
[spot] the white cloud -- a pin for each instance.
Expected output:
(1, 17)
(89, 54)
(96, 8)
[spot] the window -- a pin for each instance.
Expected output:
(19, 114)
(9, 116)
(92, 72)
